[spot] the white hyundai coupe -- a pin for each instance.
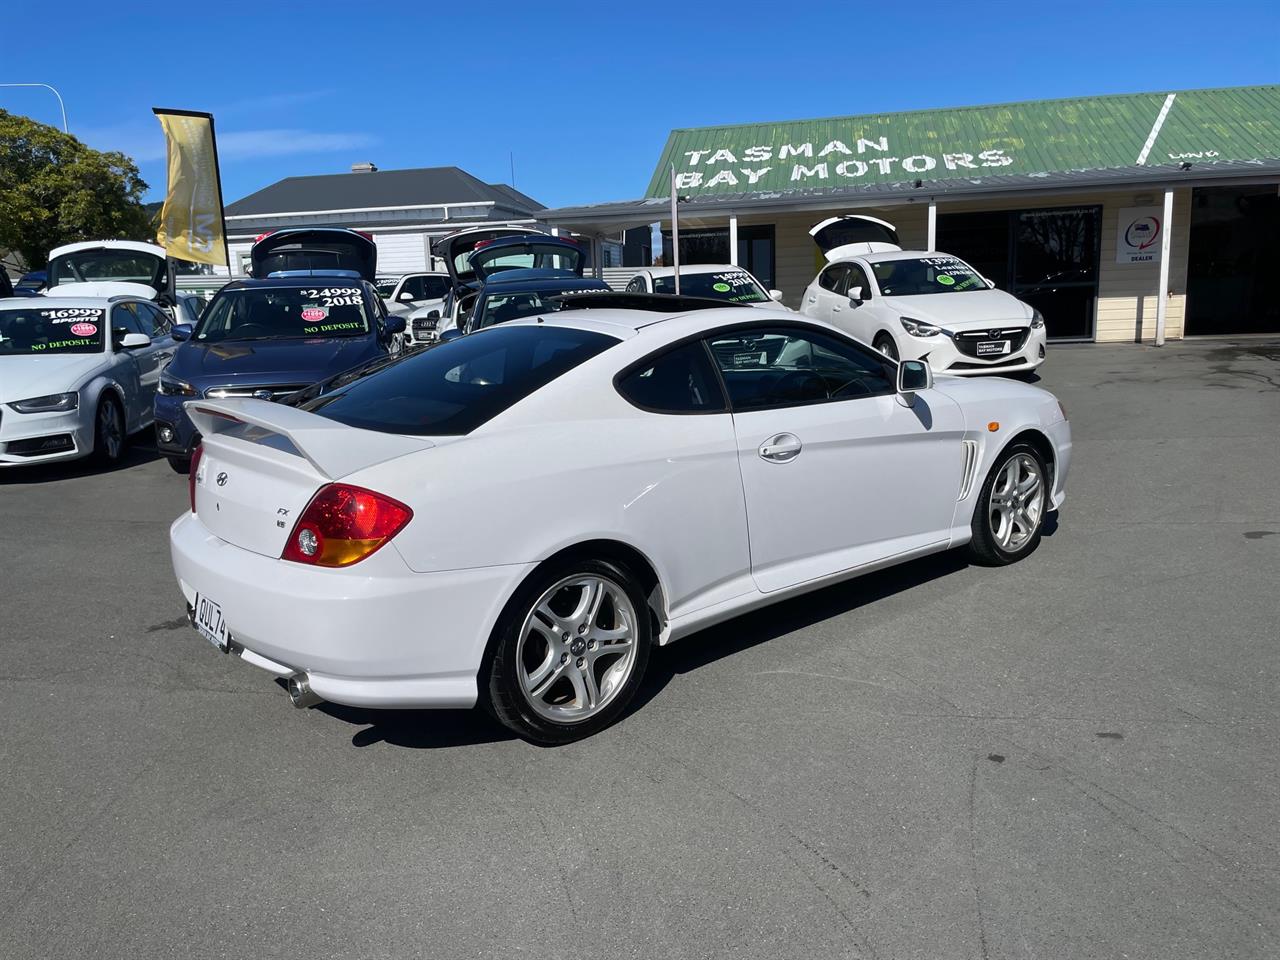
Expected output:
(515, 518)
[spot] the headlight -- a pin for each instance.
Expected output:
(173, 387)
(54, 402)
(1037, 319)
(918, 328)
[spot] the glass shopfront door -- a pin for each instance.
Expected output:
(1047, 258)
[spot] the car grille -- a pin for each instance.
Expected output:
(277, 391)
(967, 341)
(425, 328)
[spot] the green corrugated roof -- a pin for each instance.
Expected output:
(1033, 140)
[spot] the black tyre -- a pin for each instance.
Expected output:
(1008, 518)
(884, 343)
(109, 435)
(568, 652)
(179, 464)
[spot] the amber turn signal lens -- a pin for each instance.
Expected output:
(993, 426)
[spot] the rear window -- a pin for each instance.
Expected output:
(453, 388)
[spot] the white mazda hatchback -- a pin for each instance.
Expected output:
(515, 518)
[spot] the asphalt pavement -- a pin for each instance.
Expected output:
(1077, 756)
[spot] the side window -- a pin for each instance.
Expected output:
(154, 318)
(681, 380)
(767, 367)
(832, 278)
(124, 319)
(858, 278)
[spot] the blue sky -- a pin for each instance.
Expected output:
(583, 94)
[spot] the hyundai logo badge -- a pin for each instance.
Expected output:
(222, 479)
(262, 394)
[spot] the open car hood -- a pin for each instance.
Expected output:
(315, 251)
(492, 258)
(854, 234)
(456, 248)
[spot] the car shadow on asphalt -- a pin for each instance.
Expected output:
(434, 729)
(141, 449)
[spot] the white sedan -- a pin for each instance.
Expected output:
(517, 517)
(77, 375)
(919, 305)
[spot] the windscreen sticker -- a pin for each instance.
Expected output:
(721, 287)
(946, 280)
(72, 314)
(313, 314)
(335, 296)
(55, 345)
(727, 280)
(349, 325)
(84, 329)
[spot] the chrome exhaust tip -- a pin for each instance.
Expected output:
(300, 693)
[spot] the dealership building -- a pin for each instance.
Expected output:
(1093, 209)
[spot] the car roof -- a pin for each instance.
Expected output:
(697, 268)
(319, 280)
(62, 303)
(884, 255)
(625, 324)
(538, 279)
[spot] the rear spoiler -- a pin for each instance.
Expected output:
(334, 449)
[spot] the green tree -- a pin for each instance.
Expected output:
(56, 190)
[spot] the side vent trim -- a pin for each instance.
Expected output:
(970, 468)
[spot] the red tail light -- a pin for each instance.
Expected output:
(191, 474)
(344, 524)
(367, 236)
(261, 235)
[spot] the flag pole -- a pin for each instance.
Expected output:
(222, 200)
(675, 231)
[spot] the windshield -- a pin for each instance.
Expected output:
(453, 388)
(284, 313)
(385, 286)
(501, 307)
(735, 286)
(33, 330)
(911, 278)
(87, 266)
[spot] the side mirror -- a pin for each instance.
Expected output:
(182, 331)
(775, 296)
(395, 325)
(406, 296)
(855, 295)
(453, 334)
(913, 376)
(131, 341)
(991, 284)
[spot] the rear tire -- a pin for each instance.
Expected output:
(109, 436)
(884, 343)
(568, 652)
(1008, 518)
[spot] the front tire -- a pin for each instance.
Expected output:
(109, 437)
(180, 465)
(884, 343)
(1008, 519)
(569, 651)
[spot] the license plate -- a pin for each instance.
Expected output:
(987, 348)
(208, 622)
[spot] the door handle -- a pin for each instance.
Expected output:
(835, 309)
(781, 448)
(813, 299)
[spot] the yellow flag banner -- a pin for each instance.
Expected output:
(191, 222)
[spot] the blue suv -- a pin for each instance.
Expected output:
(310, 312)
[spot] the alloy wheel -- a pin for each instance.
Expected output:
(110, 430)
(577, 648)
(1017, 503)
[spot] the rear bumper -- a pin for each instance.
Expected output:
(1060, 436)
(376, 634)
